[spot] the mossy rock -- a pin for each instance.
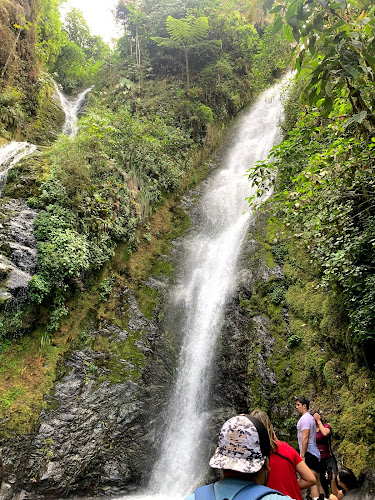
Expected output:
(4, 271)
(24, 180)
(331, 375)
(123, 361)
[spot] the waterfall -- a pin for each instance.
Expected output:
(18, 227)
(17, 231)
(71, 107)
(10, 155)
(205, 282)
(13, 152)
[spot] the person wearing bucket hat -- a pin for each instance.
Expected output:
(242, 454)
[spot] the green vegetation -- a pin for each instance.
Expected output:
(320, 227)
(325, 165)
(107, 198)
(80, 54)
(312, 354)
(137, 144)
(29, 365)
(185, 34)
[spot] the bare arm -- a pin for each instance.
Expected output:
(307, 478)
(334, 489)
(305, 441)
(339, 496)
(326, 432)
(319, 424)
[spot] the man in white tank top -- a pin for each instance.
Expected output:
(306, 431)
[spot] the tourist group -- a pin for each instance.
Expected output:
(254, 464)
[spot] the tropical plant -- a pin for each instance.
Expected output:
(184, 34)
(335, 40)
(323, 172)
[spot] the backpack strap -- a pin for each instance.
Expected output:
(255, 492)
(249, 492)
(205, 492)
(282, 456)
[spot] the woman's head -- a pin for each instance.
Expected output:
(347, 479)
(263, 417)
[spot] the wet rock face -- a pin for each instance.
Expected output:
(246, 337)
(88, 441)
(99, 432)
(18, 255)
(96, 434)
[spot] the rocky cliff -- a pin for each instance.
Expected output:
(99, 425)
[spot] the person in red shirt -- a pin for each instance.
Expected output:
(284, 463)
(327, 458)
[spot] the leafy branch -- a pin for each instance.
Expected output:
(185, 34)
(334, 40)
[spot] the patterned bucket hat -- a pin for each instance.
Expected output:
(238, 447)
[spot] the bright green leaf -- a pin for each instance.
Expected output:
(275, 9)
(277, 25)
(288, 33)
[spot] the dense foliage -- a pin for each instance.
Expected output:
(80, 54)
(173, 74)
(35, 41)
(102, 183)
(180, 71)
(325, 167)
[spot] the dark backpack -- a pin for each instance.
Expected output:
(249, 492)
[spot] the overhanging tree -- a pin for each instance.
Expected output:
(335, 40)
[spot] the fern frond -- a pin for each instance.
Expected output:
(166, 42)
(187, 31)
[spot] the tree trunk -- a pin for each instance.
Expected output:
(186, 50)
(138, 57)
(10, 53)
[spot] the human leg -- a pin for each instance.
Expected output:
(314, 464)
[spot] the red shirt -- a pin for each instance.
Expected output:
(283, 473)
(324, 443)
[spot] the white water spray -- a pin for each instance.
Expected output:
(10, 155)
(21, 264)
(13, 152)
(71, 107)
(205, 284)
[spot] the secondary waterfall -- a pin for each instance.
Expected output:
(10, 155)
(19, 234)
(71, 107)
(205, 282)
(13, 152)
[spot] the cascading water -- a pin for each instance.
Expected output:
(210, 256)
(71, 109)
(17, 232)
(10, 155)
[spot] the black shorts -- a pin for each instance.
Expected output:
(312, 462)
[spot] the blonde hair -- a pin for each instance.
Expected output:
(263, 417)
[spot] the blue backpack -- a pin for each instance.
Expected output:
(248, 492)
